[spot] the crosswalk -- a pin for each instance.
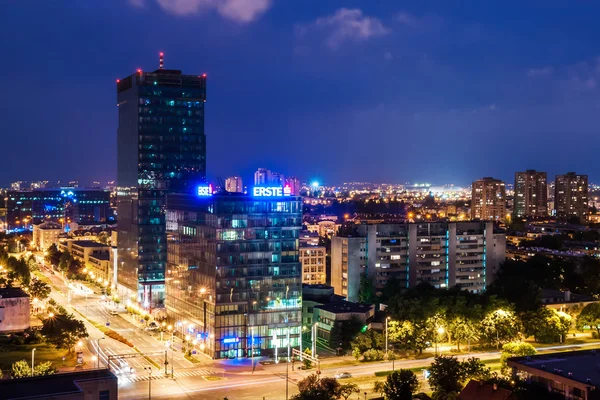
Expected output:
(181, 374)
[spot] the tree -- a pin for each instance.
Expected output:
(546, 325)
(409, 336)
(63, 331)
(313, 388)
(515, 349)
(307, 363)
(368, 340)
(446, 375)
(589, 316)
(401, 385)
(39, 289)
(379, 387)
(366, 290)
(499, 326)
(474, 368)
(53, 255)
(348, 390)
(20, 369)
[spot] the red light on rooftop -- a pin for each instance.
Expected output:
(118, 80)
(161, 54)
(204, 75)
(139, 70)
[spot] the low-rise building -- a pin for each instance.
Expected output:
(573, 374)
(94, 255)
(46, 234)
(98, 384)
(325, 228)
(14, 310)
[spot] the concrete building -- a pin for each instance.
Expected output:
(488, 200)
(265, 177)
(99, 384)
(94, 255)
(234, 184)
(531, 194)
(294, 184)
(571, 196)
(326, 228)
(443, 254)
(573, 374)
(14, 311)
(313, 262)
(46, 234)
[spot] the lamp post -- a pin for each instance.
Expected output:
(33, 362)
(386, 335)
(314, 339)
(98, 351)
(440, 331)
(149, 369)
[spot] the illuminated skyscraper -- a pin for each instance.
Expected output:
(161, 150)
(531, 194)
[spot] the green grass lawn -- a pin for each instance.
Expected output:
(11, 353)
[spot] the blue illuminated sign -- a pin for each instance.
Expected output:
(231, 340)
(272, 191)
(205, 190)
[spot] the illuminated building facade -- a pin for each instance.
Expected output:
(61, 205)
(443, 254)
(234, 279)
(234, 184)
(161, 149)
(313, 263)
(571, 196)
(531, 194)
(488, 200)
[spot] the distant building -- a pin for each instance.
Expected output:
(294, 184)
(326, 228)
(479, 390)
(573, 374)
(312, 259)
(25, 208)
(443, 254)
(95, 384)
(234, 184)
(488, 200)
(571, 196)
(14, 312)
(265, 177)
(531, 194)
(46, 234)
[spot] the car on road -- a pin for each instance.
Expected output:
(343, 375)
(114, 312)
(152, 326)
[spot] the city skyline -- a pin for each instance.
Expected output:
(457, 101)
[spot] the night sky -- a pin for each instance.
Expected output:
(381, 91)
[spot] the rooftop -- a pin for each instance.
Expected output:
(101, 256)
(89, 243)
(476, 390)
(11, 293)
(580, 366)
(343, 307)
(47, 386)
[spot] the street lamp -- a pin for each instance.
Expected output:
(98, 351)
(149, 369)
(33, 361)
(440, 331)
(386, 335)
(314, 339)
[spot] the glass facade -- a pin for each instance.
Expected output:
(161, 150)
(234, 277)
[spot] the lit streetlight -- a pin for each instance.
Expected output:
(33, 362)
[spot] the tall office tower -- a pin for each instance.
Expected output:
(531, 194)
(161, 150)
(488, 200)
(234, 279)
(571, 196)
(233, 184)
(443, 254)
(294, 184)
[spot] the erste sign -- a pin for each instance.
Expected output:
(272, 191)
(205, 190)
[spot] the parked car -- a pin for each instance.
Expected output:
(114, 312)
(152, 326)
(343, 375)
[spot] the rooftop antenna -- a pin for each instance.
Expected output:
(161, 60)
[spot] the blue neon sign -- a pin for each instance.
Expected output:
(231, 340)
(205, 190)
(272, 191)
